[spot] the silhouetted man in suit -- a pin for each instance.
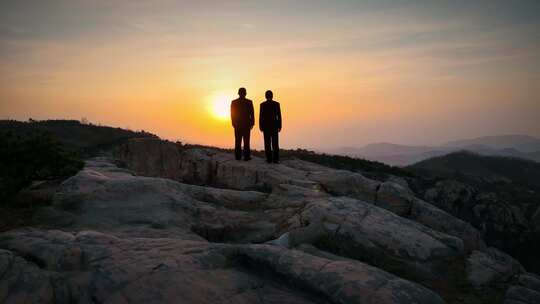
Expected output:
(243, 120)
(270, 125)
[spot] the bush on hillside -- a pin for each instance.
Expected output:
(36, 156)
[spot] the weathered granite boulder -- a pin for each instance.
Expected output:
(365, 232)
(92, 267)
(394, 197)
(491, 266)
(399, 180)
(211, 167)
(521, 295)
(535, 221)
(22, 281)
(105, 198)
(529, 280)
(151, 157)
(439, 220)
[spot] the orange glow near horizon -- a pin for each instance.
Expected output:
(346, 73)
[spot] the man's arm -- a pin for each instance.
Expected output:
(233, 114)
(278, 114)
(261, 117)
(251, 115)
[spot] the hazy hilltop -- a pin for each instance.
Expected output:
(73, 134)
(523, 143)
(476, 167)
(392, 154)
(522, 146)
(50, 150)
(385, 149)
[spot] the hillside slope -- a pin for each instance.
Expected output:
(478, 168)
(74, 135)
(498, 195)
(523, 143)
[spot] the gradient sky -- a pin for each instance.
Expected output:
(345, 72)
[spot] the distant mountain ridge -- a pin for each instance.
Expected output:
(523, 143)
(520, 146)
(391, 149)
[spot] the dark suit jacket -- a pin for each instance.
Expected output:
(270, 116)
(242, 115)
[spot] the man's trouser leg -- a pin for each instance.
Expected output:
(247, 149)
(237, 143)
(275, 146)
(267, 146)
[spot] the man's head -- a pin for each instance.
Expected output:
(242, 92)
(269, 95)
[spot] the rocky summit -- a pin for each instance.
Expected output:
(158, 222)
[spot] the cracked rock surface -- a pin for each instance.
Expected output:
(195, 226)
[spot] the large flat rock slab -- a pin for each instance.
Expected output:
(106, 198)
(85, 267)
(212, 167)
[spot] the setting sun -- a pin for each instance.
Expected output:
(220, 107)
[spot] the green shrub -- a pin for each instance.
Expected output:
(36, 156)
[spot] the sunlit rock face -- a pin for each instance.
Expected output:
(218, 169)
(164, 223)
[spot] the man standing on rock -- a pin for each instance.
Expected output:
(270, 125)
(243, 120)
